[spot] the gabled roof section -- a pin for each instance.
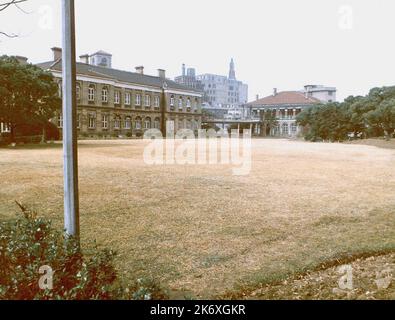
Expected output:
(117, 75)
(285, 98)
(102, 53)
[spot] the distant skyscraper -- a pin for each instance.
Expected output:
(232, 72)
(188, 78)
(224, 92)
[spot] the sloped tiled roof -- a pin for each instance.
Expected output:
(117, 75)
(285, 98)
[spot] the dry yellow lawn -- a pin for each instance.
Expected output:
(204, 231)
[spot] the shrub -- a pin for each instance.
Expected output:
(28, 243)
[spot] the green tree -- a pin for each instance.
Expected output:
(325, 122)
(28, 95)
(269, 121)
(383, 117)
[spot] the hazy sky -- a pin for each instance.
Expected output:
(286, 44)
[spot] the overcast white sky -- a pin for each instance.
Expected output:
(286, 44)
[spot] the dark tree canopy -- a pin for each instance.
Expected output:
(28, 95)
(369, 116)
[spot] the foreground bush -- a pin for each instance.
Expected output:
(30, 243)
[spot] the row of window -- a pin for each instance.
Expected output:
(181, 102)
(285, 128)
(127, 123)
(117, 97)
(127, 98)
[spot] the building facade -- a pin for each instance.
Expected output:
(188, 78)
(218, 91)
(282, 108)
(224, 91)
(322, 93)
(116, 103)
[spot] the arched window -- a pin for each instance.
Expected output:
(138, 123)
(188, 102)
(104, 94)
(172, 101)
(180, 103)
(147, 123)
(91, 93)
(276, 129)
(128, 123)
(78, 92)
(285, 129)
(157, 123)
(117, 123)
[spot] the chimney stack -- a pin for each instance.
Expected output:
(57, 53)
(140, 69)
(84, 58)
(257, 97)
(21, 60)
(183, 69)
(274, 91)
(162, 73)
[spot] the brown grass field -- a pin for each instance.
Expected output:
(205, 233)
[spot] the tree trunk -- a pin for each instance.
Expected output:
(13, 140)
(43, 136)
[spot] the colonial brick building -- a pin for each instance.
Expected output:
(283, 107)
(113, 103)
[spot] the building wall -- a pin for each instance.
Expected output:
(324, 96)
(322, 93)
(285, 116)
(223, 92)
(110, 119)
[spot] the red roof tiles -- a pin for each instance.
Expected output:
(286, 98)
